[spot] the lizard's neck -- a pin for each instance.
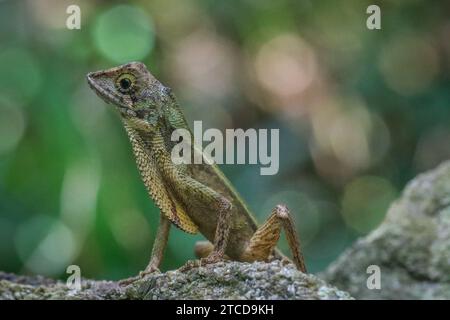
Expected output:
(152, 142)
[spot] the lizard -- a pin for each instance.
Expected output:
(193, 197)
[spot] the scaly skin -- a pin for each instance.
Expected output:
(194, 197)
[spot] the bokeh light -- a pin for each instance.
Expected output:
(285, 66)
(22, 75)
(123, 33)
(430, 150)
(402, 64)
(199, 56)
(359, 138)
(12, 125)
(195, 58)
(79, 197)
(132, 233)
(45, 245)
(365, 202)
(347, 131)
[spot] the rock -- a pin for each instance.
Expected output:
(411, 247)
(226, 280)
(14, 287)
(234, 280)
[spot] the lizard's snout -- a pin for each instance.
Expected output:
(91, 76)
(90, 79)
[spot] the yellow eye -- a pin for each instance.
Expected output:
(125, 82)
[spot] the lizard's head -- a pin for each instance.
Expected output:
(136, 93)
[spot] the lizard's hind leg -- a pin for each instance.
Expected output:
(203, 248)
(265, 239)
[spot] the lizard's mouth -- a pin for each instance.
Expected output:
(106, 94)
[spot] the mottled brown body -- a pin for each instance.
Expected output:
(193, 197)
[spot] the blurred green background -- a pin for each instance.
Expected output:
(360, 113)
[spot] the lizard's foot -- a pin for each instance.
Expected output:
(285, 261)
(141, 275)
(211, 259)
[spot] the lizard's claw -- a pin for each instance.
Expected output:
(285, 261)
(141, 275)
(211, 259)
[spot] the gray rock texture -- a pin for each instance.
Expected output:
(230, 280)
(411, 247)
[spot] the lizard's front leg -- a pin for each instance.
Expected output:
(196, 190)
(223, 207)
(162, 235)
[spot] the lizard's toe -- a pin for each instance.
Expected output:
(128, 281)
(190, 264)
(211, 259)
(141, 275)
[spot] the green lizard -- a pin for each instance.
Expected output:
(194, 197)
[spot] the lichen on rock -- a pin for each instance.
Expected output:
(225, 280)
(411, 247)
(234, 280)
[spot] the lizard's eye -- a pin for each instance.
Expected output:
(125, 82)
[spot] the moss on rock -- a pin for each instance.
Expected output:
(411, 247)
(226, 280)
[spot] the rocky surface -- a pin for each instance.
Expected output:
(230, 280)
(411, 247)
